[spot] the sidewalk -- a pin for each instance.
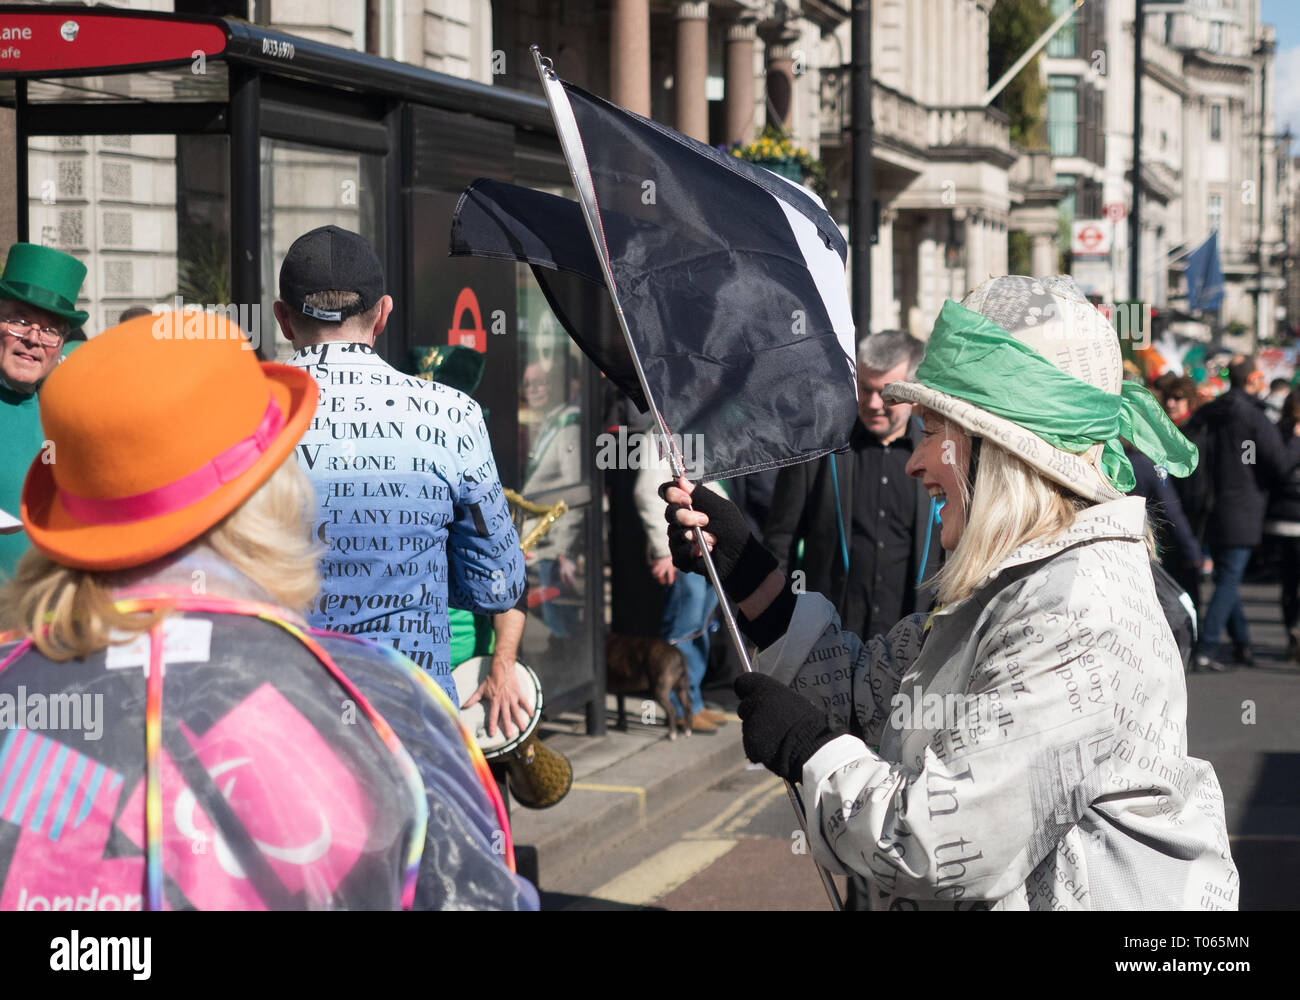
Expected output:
(622, 781)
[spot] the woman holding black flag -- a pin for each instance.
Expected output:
(1024, 746)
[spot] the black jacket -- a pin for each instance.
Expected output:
(803, 506)
(1284, 503)
(1164, 508)
(1244, 457)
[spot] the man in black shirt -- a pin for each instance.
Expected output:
(861, 518)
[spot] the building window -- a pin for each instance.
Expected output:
(117, 228)
(1065, 43)
(116, 180)
(1063, 115)
(72, 229)
(71, 178)
(1216, 36)
(1216, 123)
(1216, 211)
(1169, 29)
(119, 278)
(1067, 181)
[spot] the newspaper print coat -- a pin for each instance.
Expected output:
(1026, 750)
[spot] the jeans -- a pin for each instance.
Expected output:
(687, 607)
(561, 619)
(1288, 547)
(1225, 606)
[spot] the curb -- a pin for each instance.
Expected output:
(622, 783)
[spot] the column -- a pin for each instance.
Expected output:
(690, 77)
(738, 97)
(629, 54)
(974, 239)
(780, 78)
(884, 296)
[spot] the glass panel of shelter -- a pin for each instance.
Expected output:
(304, 187)
(147, 214)
(553, 467)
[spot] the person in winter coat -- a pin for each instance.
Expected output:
(172, 733)
(1282, 523)
(1244, 459)
(1163, 507)
(1181, 400)
(1025, 745)
(853, 523)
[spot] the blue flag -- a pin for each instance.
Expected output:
(1205, 276)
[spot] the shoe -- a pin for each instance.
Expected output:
(1201, 662)
(712, 715)
(699, 724)
(1242, 653)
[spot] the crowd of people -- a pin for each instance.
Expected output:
(241, 529)
(1245, 489)
(1021, 741)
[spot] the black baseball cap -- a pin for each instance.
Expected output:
(330, 259)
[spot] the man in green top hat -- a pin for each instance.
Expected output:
(38, 299)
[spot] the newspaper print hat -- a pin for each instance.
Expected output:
(1051, 316)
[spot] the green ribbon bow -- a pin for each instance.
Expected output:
(976, 360)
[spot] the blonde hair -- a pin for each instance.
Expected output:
(1011, 504)
(71, 613)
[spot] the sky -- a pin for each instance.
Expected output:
(1284, 15)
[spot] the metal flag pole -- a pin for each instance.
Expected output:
(566, 128)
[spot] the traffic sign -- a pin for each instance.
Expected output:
(1115, 211)
(1090, 237)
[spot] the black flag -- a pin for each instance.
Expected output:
(730, 278)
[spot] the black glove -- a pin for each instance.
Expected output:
(741, 560)
(781, 730)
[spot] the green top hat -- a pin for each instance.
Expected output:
(46, 278)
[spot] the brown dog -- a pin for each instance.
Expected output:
(636, 664)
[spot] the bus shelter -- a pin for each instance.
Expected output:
(179, 156)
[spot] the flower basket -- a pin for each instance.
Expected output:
(774, 150)
(789, 169)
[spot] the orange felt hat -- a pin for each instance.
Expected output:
(156, 430)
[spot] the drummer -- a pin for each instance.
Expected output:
(415, 523)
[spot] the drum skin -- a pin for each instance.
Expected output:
(468, 676)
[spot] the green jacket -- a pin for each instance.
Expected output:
(20, 442)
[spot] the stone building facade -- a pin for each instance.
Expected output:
(1207, 129)
(948, 180)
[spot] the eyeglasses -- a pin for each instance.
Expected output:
(47, 335)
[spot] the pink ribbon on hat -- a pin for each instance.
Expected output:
(201, 483)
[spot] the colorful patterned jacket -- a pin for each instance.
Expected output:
(271, 767)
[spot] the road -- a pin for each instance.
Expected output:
(730, 848)
(734, 847)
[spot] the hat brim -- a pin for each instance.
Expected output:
(1077, 472)
(77, 317)
(72, 542)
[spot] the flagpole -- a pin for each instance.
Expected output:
(566, 128)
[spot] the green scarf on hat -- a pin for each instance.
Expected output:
(974, 359)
